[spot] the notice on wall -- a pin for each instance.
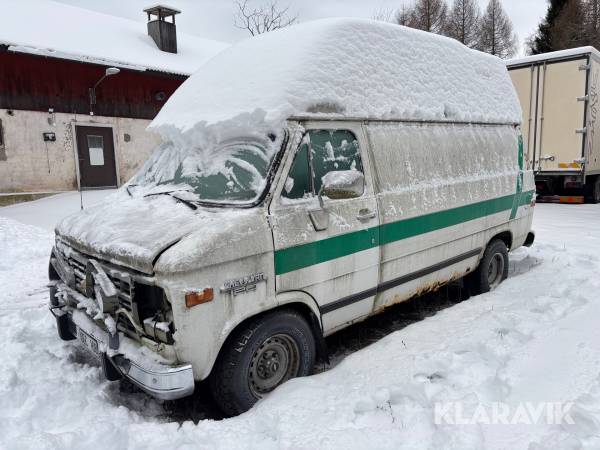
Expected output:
(96, 150)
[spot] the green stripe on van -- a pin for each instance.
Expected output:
(517, 200)
(305, 255)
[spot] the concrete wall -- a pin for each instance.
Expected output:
(28, 164)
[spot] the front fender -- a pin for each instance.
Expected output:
(294, 297)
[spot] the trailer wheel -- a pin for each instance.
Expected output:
(259, 356)
(492, 269)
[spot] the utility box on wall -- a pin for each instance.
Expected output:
(49, 137)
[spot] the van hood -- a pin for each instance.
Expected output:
(133, 232)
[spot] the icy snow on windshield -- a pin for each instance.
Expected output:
(235, 172)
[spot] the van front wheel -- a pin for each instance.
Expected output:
(492, 270)
(259, 356)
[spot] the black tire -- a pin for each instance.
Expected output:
(495, 259)
(259, 356)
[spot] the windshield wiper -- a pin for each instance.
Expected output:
(188, 203)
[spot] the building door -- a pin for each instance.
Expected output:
(96, 153)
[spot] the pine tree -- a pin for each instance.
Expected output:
(496, 32)
(569, 27)
(429, 15)
(462, 22)
(541, 41)
(591, 22)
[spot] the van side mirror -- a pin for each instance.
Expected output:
(343, 184)
(340, 184)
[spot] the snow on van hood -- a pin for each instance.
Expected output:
(133, 232)
(341, 67)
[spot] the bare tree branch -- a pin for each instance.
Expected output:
(383, 15)
(462, 22)
(496, 34)
(428, 15)
(404, 15)
(263, 18)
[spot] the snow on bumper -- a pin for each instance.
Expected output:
(162, 381)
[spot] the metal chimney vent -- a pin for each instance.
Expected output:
(163, 32)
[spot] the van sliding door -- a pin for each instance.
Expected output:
(439, 188)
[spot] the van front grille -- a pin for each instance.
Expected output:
(124, 287)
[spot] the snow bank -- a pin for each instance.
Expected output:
(31, 27)
(348, 67)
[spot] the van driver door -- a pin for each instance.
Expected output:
(329, 248)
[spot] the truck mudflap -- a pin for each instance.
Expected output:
(162, 381)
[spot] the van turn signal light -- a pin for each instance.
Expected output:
(197, 298)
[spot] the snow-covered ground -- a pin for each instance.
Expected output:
(535, 339)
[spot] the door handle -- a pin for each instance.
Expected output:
(366, 214)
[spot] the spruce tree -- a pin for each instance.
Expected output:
(541, 41)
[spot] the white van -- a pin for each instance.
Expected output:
(302, 186)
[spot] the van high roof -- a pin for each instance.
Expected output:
(344, 68)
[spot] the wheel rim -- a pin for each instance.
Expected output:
(276, 360)
(495, 270)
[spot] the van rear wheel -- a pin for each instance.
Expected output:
(259, 356)
(492, 269)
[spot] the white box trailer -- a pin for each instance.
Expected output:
(559, 95)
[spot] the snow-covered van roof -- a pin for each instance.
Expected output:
(560, 54)
(54, 29)
(349, 67)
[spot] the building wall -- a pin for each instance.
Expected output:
(37, 83)
(28, 164)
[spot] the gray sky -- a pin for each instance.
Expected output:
(214, 18)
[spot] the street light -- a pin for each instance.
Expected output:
(109, 72)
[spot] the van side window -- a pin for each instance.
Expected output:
(326, 151)
(298, 184)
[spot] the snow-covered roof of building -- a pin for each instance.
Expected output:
(561, 54)
(355, 67)
(54, 29)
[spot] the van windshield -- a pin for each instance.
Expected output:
(231, 173)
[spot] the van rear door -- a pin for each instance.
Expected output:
(331, 253)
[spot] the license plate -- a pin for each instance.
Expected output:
(88, 341)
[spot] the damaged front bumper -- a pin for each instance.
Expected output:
(162, 381)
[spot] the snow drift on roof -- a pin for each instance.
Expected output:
(554, 55)
(54, 29)
(354, 67)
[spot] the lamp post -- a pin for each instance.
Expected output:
(109, 71)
